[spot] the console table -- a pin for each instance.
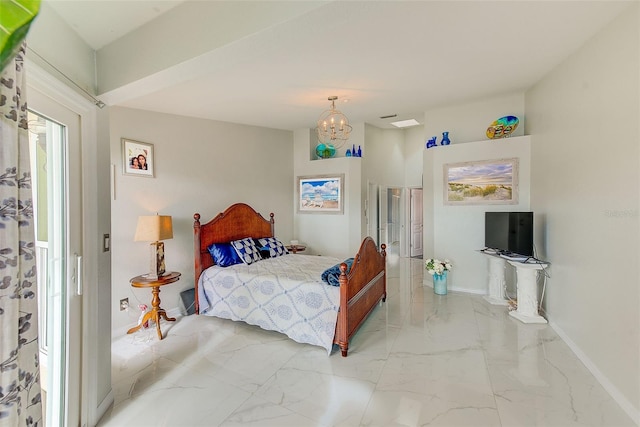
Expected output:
(526, 283)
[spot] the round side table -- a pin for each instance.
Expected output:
(156, 312)
(296, 248)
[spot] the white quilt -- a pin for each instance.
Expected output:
(284, 294)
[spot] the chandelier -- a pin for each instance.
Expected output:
(333, 126)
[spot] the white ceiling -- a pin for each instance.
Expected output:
(385, 57)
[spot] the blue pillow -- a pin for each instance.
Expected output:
(273, 245)
(331, 275)
(247, 250)
(223, 254)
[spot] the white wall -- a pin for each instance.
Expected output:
(384, 166)
(414, 145)
(52, 39)
(383, 160)
(200, 166)
(337, 235)
(457, 231)
(585, 188)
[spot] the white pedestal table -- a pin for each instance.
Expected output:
(527, 288)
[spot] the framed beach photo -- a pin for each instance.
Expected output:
(486, 182)
(321, 194)
(137, 158)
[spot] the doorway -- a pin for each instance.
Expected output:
(416, 223)
(55, 151)
(394, 221)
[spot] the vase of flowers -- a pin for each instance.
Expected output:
(438, 269)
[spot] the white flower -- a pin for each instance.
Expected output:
(436, 266)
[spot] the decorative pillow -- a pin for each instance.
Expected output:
(224, 254)
(246, 250)
(264, 250)
(273, 245)
(331, 275)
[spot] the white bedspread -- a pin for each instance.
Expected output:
(284, 294)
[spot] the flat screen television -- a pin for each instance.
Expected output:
(509, 232)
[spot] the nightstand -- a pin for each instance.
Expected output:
(296, 248)
(156, 312)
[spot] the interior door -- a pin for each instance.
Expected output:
(416, 222)
(394, 220)
(56, 154)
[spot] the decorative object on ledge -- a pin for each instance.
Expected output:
(333, 126)
(324, 151)
(432, 142)
(353, 152)
(502, 127)
(154, 228)
(445, 139)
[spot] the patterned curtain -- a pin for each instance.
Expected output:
(20, 402)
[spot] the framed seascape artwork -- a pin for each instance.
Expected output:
(321, 194)
(486, 182)
(137, 158)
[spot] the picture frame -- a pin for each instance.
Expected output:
(485, 182)
(321, 194)
(134, 153)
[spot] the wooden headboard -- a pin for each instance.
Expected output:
(236, 222)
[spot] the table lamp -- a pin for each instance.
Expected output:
(154, 228)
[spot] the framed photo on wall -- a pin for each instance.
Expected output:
(485, 182)
(321, 194)
(137, 158)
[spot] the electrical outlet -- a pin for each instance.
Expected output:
(124, 304)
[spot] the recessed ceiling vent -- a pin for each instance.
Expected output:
(390, 116)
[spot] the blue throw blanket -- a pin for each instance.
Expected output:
(331, 275)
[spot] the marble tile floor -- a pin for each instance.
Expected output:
(420, 359)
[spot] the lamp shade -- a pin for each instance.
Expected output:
(152, 228)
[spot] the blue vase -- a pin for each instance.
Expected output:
(432, 142)
(348, 152)
(445, 139)
(440, 283)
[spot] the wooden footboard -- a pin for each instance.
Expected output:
(360, 290)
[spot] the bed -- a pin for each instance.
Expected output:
(361, 287)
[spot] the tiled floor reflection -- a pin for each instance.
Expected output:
(420, 359)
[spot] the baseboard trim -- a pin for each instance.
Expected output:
(429, 284)
(619, 398)
(104, 406)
